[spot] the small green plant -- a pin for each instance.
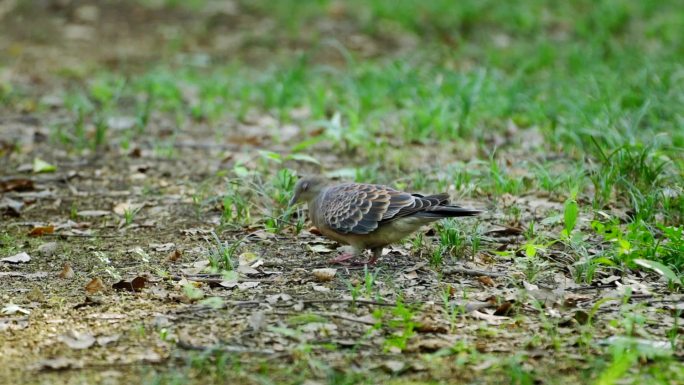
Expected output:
(517, 373)
(236, 207)
(533, 267)
(222, 256)
(403, 320)
(637, 245)
(451, 237)
(129, 215)
(280, 191)
(369, 281)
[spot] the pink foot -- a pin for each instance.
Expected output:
(342, 258)
(371, 262)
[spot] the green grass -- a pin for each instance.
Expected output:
(597, 85)
(578, 102)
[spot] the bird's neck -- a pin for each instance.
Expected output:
(312, 212)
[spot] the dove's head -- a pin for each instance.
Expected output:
(307, 188)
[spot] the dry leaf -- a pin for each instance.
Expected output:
(11, 207)
(47, 249)
(274, 298)
(76, 340)
(247, 285)
(106, 340)
(60, 363)
(11, 308)
(41, 230)
(319, 249)
(247, 270)
(504, 308)
(256, 320)
(136, 284)
(95, 285)
(487, 281)
(247, 258)
(17, 258)
(393, 366)
(93, 213)
(163, 247)
(411, 275)
(324, 275)
(491, 319)
(174, 256)
(16, 184)
(67, 272)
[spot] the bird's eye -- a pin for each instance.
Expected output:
(305, 186)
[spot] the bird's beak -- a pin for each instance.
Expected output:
(295, 198)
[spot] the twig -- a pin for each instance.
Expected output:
(349, 300)
(462, 270)
(205, 279)
(225, 348)
(597, 287)
(81, 235)
(331, 315)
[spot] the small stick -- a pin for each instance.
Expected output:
(461, 270)
(217, 280)
(225, 348)
(331, 315)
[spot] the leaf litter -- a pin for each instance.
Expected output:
(283, 297)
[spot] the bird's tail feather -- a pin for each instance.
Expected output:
(448, 211)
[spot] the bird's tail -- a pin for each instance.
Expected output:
(448, 211)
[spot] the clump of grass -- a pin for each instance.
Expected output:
(235, 206)
(636, 174)
(641, 241)
(222, 257)
(456, 240)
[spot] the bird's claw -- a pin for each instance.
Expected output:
(347, 259)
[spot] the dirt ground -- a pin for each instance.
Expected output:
(120, 289)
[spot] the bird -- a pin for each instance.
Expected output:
(369, 216)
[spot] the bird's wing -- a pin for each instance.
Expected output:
(355, 208)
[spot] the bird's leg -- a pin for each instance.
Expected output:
(347, 257)
(342, 258)
(377, 253)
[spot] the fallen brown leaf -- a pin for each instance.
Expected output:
(136, 284)
(315, 231)
(487, 281)
(174, 256)
(324, 275)
(41, 230)
(67, 272)
(16, 184)
(504, 308)
(95, 285)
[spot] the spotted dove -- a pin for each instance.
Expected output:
(370, 216)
